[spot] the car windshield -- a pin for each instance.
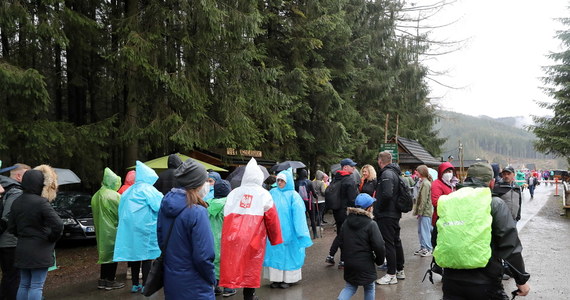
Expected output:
(78, 204)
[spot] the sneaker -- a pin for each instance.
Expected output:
(113, 285)
(383, 267)
(417, 252)
(387, 279)
(400, 274)
(330, 260)
(136, 288)
(101, 284)
(229, 292)
(218, 291)
(341, 265)
(425, 253)
(275, 285)
(284, 285)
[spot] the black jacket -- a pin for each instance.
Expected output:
(165, 181)
(369, 187)
(362, 245)
(302, 180)
(12, 191)
(348, 188)
(387, 192)
(505, 244)
(35, 223)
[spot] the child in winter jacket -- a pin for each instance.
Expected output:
(362, 245)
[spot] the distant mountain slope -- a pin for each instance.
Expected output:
(496, 140)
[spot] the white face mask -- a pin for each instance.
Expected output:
(447, 177)
(204, 190)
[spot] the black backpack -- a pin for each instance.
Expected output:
(332, 195)
(405, 200)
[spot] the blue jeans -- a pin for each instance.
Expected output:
(349, 290)
(424, 232)
(31, 284)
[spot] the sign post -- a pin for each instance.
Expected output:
(392, 148)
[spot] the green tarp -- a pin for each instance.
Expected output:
(160, 164)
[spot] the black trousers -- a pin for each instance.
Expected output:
(135, 268)
(460, 290)
(10, 274)
(390, 229)
(108, 271)
(311, 209)
(339, 217)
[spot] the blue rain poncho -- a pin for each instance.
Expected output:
(290, 255)
(138, 212)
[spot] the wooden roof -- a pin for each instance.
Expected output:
(415, 154)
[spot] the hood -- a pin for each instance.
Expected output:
(290, 184)
(358, 223)
(6, 182)
(174, 161)
(49, 190)
(222, 188)
(174, 202)
(215, 175)
(301, 174)
(130, 178)
(33, 182)
(145, 174)
(444, 166)
(319, 175)
(394, 167)
(252, 174)
(111, 180)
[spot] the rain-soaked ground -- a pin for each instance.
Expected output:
(545, 235)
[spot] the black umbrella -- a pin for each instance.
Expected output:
(293, 164)
(235, 177)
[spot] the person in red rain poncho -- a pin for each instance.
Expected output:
(250, 218)
(129, 180)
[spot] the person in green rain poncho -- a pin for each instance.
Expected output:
(105, 206)
(216, 215)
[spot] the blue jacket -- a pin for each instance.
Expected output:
(290, 255)
(189, 255)
(138, 210)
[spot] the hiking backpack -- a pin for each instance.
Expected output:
(332, 195)
(405, 200)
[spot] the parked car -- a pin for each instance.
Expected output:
(74, 208)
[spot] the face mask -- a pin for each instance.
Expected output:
(447, 177)
(204, 190)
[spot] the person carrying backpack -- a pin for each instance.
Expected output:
(474, 232)
(387, 216)
(304, 187)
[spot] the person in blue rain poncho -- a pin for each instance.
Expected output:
(136, 239)
(213, 177)
(283, 262)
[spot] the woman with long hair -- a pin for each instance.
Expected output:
(424, 211)
(185, 236)
(367, 180)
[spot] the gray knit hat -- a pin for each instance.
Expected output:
(190, 174)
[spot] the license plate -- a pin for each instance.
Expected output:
(89, 229)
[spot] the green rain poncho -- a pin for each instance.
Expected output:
(105, 206)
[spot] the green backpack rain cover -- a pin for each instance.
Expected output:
(464, 229)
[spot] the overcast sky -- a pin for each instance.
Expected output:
(498, 69)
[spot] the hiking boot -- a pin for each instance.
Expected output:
(101, 284)
(400, 274)
(387, 279)
(275, 285)
(425, 253)
(113, 285)
(341, 265)
(330, 260)
(136, 288)
(229, 292)
(218, 291)
(284, 285)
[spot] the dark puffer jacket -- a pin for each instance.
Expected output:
(362, 245)
(165, 180)
(348, 188)
(387, 193)
(35, 223)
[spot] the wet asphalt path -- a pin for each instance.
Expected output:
(543, 231)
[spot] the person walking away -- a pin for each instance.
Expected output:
(282, 264)
(37, 226)
(213, 177)
(388, 216)
(105, 207)
(363, 246)
(216, 216)
(10, 274)
(347, 194)
(532, 181)
(129, 180)
(367, 180)
(165, 181)
(185, 236)
(250, 218)
(320, 187)
(136, 240)
(474, 232)
(424, 211)
(304, 188)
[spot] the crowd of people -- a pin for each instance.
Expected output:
(215, 239)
